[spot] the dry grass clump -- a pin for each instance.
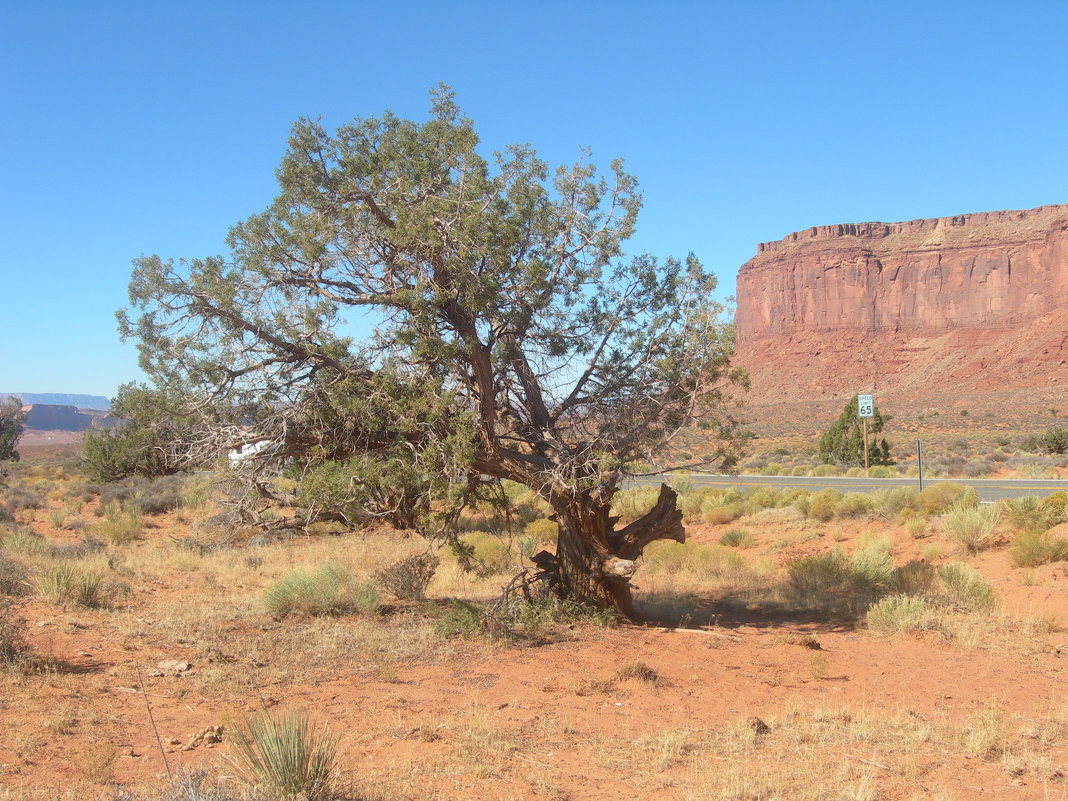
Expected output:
(970, 527)
(286, 756)
(120, 526)
(823, 505)
(913, 578)
(69, 584)
(1031, 514)
(700, 562)
(329, 590)
(736, 538)
(896, 613)
(722, 507)
(832, 577)
(186, 785)
(1031, 549)
(640, 671)
(961, 587)
(938, 497)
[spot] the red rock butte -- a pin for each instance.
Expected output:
(975, 303)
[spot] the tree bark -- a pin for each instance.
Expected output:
(594, 562)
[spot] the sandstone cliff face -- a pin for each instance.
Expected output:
(900, 306)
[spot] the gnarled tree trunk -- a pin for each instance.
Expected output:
(594, 561)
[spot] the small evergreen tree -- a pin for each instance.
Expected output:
(844, 441)
(11, 417)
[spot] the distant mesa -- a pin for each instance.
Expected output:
(46, 417)
(971, 303)
(94, 402)
(61, 422)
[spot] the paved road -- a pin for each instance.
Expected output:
(988, 489)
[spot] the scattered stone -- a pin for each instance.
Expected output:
(208, 737)
(172, 667)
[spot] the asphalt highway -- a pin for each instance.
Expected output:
(988, 489)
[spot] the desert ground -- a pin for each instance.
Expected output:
(890, 646)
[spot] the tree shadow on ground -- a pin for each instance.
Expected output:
(733, 609)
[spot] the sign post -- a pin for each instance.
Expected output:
(865, 411)
(919, 463)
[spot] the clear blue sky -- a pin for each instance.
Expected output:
(151, 127)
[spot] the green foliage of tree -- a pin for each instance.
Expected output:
(1053, 440)
(148, 442)
(514, 339)
(843, 442)
(11, 417)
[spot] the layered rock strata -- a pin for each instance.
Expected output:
(911, 306)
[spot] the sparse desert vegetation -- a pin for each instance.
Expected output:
(377, 668)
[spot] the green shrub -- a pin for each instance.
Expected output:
(1030, 514)
(285, 756)
(542, 530)
(460, 619)
(630, 504)
(690, 502)
(1034, 548)
(824, 505)
(330, 590)
(26, 542)
(913, 578)
(870, 567)
(916, 527)
(534, 619)
(1053, 440)
(119, 527)
(736, 538)
(763, 498)
(936, 498)
(964, 588)
(855, 472)
(880, 472)
(819, 574)
(19, 498)
(970, 527)
(896, 613)
(825, 470)
(722, 507)
(854, 504)
(893, 501)
(113, 455)
(681, 483)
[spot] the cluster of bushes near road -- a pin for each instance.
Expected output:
(1042, 455)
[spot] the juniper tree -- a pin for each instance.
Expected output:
(513, 339)
(11, 418)
(843, 442)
